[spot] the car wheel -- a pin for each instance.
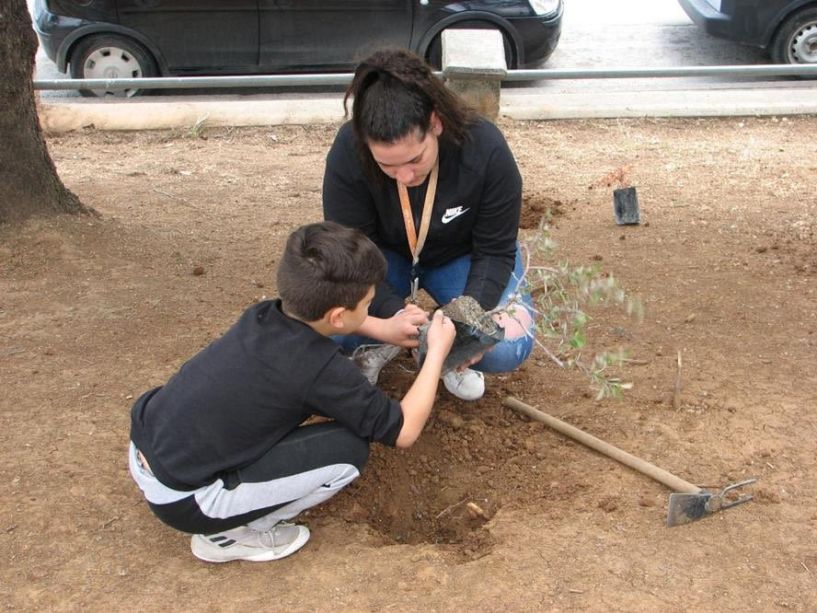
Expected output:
(111, 57)
(434, 55)
(796, 40)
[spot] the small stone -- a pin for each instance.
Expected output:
(608, 504)
(198, 271)
(451, 419)
(731, 405)
(475, 511)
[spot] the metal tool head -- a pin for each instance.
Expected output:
(687, 508)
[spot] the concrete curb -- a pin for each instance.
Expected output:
(145, 114)
(149, 114)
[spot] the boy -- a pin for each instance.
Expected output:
(219, 451)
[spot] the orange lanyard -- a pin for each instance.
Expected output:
(416, 243)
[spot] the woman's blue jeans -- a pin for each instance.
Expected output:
(443, 284)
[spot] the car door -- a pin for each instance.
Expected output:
(198, 35)
(329, 34)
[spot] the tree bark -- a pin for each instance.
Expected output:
(29, 184)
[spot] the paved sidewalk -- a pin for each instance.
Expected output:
(796, 99)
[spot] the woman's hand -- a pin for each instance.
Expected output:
(402, 328)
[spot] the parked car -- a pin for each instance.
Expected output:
(148, 38)
(787, 29)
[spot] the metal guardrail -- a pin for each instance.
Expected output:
(300, 80)
(197, 82)
(768, 70)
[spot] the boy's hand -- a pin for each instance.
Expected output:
(402, 328)
(417, 403)
(441, 334)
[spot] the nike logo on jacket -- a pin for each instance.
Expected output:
(453, 213)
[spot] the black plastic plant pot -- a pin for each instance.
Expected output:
(625, 205)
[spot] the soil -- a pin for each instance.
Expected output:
(489, 510)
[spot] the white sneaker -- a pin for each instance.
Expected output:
(466, 385)
(247, 544)
(372, 358)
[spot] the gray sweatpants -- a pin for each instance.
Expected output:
(307, 467)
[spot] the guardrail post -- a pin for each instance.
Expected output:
(474, 67)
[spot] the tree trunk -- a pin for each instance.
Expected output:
(29, 184)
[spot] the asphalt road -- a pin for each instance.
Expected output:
(596, 34)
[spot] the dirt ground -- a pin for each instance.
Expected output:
(93, 311)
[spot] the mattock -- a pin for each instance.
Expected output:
(688, 503)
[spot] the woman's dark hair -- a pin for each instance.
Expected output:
(395, 92)
(327, 265)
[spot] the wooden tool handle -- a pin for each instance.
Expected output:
(671, 481)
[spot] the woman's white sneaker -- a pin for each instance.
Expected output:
(372, 358)
(247, 544)
(466, 385)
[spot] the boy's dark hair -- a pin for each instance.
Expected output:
(394, 92)
(327, 265)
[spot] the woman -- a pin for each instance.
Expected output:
(438, 191)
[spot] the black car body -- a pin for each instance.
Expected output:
(786, 28)
(197, 37)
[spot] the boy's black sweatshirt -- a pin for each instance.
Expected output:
(239, 396)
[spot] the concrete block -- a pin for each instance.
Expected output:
(474, 66)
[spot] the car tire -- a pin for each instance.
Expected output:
(109, 57)
(795, 41)
(434, 55)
